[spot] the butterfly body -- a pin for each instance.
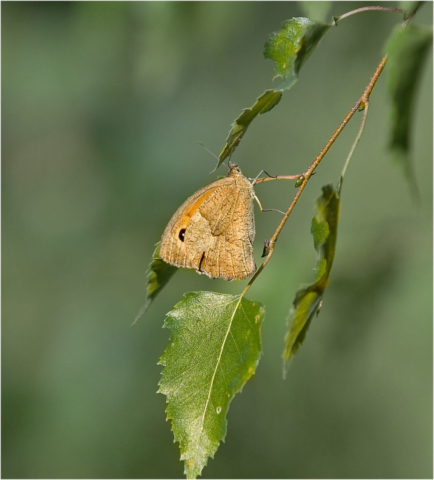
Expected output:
(214, 229)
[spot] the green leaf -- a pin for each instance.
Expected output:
(289, 47)
(316, 10)
(309, 298)
(215, 346)
(407, 48)
(320, 231)
(159, 273)
(292, 45)
(268, 100)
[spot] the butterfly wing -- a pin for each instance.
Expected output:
(232, 228)
(173, 247)
(213, 231)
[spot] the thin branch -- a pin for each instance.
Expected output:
(361, 102)
(308, 173)
(366, 9)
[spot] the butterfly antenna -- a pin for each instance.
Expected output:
(208, 150)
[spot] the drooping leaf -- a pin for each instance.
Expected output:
(215, 346)
(289, 47)
(407, 48)
(268, 100)
(316, 10)
(309, 298)
(159, 273)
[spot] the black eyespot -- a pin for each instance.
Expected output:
(182, 234)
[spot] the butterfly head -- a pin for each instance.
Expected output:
(234, 170)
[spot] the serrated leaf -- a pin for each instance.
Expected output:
(215, 346)
(159, 273)
(289, 48)
(308, 299)
(315, 10)
(292, 45)
(407, 48)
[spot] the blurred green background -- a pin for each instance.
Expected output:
(103, 109)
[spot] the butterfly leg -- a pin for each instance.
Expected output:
(267, 209)
(259, 174)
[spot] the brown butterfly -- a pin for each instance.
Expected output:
(214, 229)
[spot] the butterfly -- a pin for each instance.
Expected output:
(214, 229)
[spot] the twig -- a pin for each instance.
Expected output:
(366, 9)
(362, 102)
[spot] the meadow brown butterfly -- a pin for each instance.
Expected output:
(213, 230)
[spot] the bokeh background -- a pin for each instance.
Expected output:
(103, 109)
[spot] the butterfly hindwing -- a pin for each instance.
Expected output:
(213, 231)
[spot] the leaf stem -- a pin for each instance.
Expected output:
(361, 102)
(410, 14)
(366, 9)
(356, 141)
